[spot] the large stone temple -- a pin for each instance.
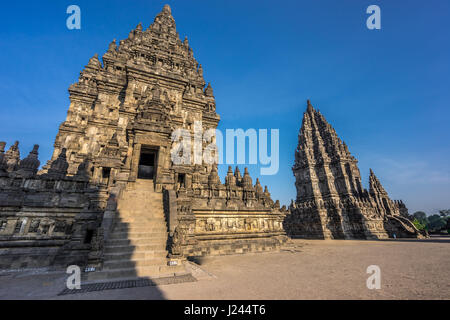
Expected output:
(331, 202)
(112, 199)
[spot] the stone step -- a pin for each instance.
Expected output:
(144, 213)
(140, 255)
(141, 212)
(137, 235)
(137, 245)
(141, 221)
(138, 202)
(140, 228)
(143, 204)
(148, 271)
(136, 222)
(125, 264)
(136, 248)
(154, 216)
(141, 183)
(139, 199)
(147, 186)
(142, 190)
(139, 216)
(140, 241)
(148, 220)
(135, 229)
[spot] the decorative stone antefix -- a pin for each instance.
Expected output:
(58, 168)
(28, 167)
(12, 157)
(331, 202)
(3, 166)
(230, 179)
(85, 170)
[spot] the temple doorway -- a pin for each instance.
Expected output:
(147, 163)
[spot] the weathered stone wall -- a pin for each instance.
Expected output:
(228, 232)
(331, 223)
(235, 217)
(41, 216)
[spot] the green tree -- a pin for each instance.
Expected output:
(445, 214)
(421, 217)
(419, 225)
(436, 222)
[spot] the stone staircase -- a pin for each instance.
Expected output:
(408, 227)
(136, 247)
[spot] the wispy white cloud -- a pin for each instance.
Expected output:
(407, 171)
(421, 183)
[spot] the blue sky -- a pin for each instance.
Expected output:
(385, 91)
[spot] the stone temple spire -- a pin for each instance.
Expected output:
(331, 202)
(151, 74)
(380, 196)
(327, 179)
(164, 22)
(12, 157)
(320, 147)
(375, 186)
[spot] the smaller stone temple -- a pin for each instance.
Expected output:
(331, 201)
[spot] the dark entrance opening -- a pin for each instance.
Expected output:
(106, 173)
(147, 164)
(182, 180)
(89, 235)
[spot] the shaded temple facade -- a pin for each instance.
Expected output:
(331, 201)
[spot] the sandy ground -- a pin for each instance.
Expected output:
(307, 269)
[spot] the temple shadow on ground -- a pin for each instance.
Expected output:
(136, 247)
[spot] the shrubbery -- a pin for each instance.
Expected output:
(434, 223)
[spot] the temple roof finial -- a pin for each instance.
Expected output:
(309, 107)
(167, 9)
(209, 90)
